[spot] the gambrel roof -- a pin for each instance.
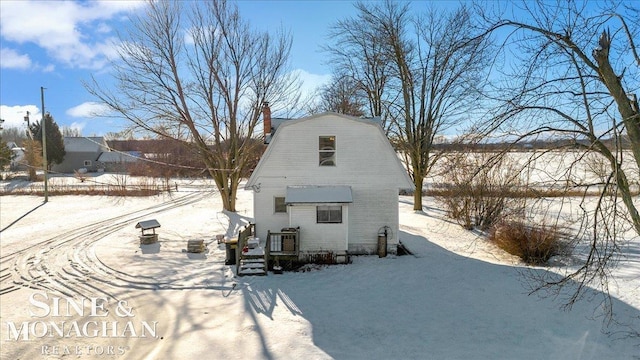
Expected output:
(292, 140)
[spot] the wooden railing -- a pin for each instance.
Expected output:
(284, 243)
(278, 245)
(243, 235)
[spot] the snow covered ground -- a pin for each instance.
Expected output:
(458, 297)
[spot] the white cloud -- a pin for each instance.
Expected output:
(48, 68)
(311, 82)
(87, 110)
(66, 30)
(10, 59)
(78, 126)
(13, 116)
(309, 85)
(103, 28)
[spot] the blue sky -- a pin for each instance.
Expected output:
(58, 44)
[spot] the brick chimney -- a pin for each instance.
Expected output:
(266, 118)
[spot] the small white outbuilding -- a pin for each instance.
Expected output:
(333, 178)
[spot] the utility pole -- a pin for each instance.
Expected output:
(44, 147)
(26, 118)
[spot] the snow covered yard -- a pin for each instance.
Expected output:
(457, 298)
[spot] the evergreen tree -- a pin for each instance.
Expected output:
(5, 154)
(55, 143)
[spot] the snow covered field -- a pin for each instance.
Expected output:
(456, 298)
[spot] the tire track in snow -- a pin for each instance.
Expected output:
(67, 263)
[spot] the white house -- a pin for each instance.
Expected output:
(81, 153)
(336, 178)
(18, 161)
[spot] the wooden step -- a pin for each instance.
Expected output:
(253, 261)
(256, 256)
(252, 266)
(256, 266)
(243, 272)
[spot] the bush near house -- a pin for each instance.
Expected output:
(478, 192)
(534, 244)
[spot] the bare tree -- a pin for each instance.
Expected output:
(68, 131)
(572, 73)
(15, 134)
(358, 55)
(436, 64)
(479, 193)
(341, 95)
(201, 79)
(32, 157)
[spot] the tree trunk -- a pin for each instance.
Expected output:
(417, 195)
(228, 196)
(630, 115)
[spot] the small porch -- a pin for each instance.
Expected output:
(255, 256)
(282, 246)
(284, 243)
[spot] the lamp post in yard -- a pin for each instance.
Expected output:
(44, 147)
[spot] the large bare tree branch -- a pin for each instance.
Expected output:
(206, 92)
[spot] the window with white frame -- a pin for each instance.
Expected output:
(87, 163)
(329, 214)
(279, 206)
(327, 150)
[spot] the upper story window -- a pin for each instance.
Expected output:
(327, 150)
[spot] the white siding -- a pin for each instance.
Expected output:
(319, 237)
(372, 209)
(364, 160)
(264, 212)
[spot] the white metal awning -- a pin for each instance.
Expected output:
(318, 194)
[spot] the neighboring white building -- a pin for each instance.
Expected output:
(82, 152)
(18, 162)
(336, 177)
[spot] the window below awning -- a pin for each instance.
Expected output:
(318, 195)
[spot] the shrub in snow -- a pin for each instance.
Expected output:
(534, 244)
(480, 190)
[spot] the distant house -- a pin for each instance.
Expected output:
(117, 161)
(18, 161)
(166, 157)
(330, 181)
(81, 153)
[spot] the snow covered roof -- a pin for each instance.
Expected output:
(148, 224)
(318, 194)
